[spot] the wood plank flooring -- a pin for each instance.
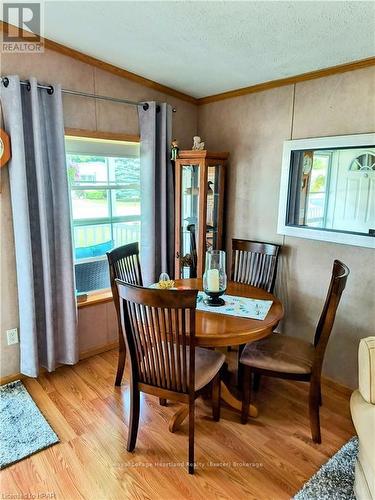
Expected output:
(269, 458)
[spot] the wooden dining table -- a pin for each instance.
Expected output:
(215, 330)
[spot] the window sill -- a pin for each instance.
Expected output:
(96, 298)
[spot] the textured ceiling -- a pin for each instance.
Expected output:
(203, 48)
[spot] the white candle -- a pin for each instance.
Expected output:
(213, 280)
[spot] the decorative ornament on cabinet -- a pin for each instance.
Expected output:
(174, 150)
(198, 145)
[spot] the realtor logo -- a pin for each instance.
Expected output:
(23, 31)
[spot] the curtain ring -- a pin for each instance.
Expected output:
(145, 106)
(28, 86)
(51, 90)
(5, 81)
(157, 108)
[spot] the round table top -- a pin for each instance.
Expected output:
(216, 329)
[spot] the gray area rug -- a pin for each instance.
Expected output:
(23, 429)
(335, 479)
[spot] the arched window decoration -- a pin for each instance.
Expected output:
(365, 161)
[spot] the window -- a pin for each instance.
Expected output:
(317, 190)
(327, 189)
(104, 181)
(363, 162)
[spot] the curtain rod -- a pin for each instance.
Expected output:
(49, 88)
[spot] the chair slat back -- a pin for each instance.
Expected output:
(255, 263)
(124, 265)
(159, 330)
(340, 273)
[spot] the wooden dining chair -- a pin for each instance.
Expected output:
(292, 358)
(253, 263)
(159, 330)
(123, 264)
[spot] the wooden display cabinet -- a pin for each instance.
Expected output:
(200, 181)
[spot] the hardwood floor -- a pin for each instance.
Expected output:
(269, 458)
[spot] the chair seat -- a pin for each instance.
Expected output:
(279, 353)
(207, 365)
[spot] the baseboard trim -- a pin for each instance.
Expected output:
(328, 382)
(11, 378)
(82, 355)
(98, 350)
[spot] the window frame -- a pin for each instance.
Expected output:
(317, 143)
(109, 186)
(327, 183)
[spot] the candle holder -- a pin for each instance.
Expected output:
(214, 278)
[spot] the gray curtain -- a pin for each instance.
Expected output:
(41, 220)
(157, 192)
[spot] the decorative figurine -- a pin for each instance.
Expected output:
(186, 260)
(198, 145)
(174, 150)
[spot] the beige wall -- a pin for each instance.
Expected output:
(97, 325)
(252, 128)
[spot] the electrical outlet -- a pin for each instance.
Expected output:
(12, 336)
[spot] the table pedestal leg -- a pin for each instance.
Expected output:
(235, 403)
(180, 415)
(178, 418)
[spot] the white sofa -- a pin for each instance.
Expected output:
(362, 406)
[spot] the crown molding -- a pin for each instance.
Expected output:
(259, 87)
(93, 61)
(312, 75)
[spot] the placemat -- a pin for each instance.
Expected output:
(237, 306)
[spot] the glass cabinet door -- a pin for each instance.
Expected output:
(189, 220)
(212, 219)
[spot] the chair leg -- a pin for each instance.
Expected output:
(121, 360)
(314, 399)
(134, 418)
(216, 395)
(246, 394)
(320, 396)
(256, 382)
(191, 436)
(162, 402)
(240, 369)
